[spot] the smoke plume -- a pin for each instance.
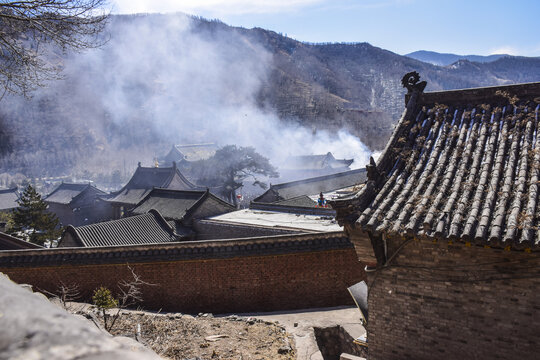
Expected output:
(159, 80)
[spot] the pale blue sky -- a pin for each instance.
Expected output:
(464, 27)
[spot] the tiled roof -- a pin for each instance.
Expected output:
(188, 250)
(8, 242)
(315, 162)
(312, 186)
(302, 200)
(146, 178)
(195, 152)
(66, 192)
(8, 199)
(148, 228)
(172, 204)
(190, 152)
(460, 165)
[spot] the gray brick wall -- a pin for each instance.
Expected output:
(453, 301)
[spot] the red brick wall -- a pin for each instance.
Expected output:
(455, 302)
(241, 284)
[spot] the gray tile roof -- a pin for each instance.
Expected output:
(302, 200)
(146, 178)
(65, 193)
(8, 199)
(315, 162)
(191, 152)
(312, 186)
(8, 242)
(172, 204)
(150, 228)
(461, 165)
(187, 250)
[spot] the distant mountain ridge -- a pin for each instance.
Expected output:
(445, 59)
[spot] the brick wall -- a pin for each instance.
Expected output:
(276, 281)
(451, 301)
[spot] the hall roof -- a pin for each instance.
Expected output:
(146, 178)
(149, 228)
(312, 186)
(65, 193)
(461, 165)
(8, 242)
(8, 199)
(178, 204)
(316, 162)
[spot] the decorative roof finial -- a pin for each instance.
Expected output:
(372, 171)
(410, 81)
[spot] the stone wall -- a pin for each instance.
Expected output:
(276, 273)
(453, 301)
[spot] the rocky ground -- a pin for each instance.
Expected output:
(181, 336)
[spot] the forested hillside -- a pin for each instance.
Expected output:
(164, 79)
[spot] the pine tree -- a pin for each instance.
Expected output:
(230, 167)
(32, 215)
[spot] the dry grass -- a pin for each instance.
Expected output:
(178, 336)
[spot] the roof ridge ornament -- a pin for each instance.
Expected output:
(373, 173)
(410, 81)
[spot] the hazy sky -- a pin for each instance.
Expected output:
(458, 26)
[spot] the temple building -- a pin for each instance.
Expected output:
(145, 229)
(78, 204)
(180, 154)
(447, 227)
(299, 191)
(307, 166)
(8, 199)
(141, 184)
(183, 207)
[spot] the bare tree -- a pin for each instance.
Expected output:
(34, 33)
(130, 293)
(66, 294)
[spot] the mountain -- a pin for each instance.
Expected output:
(443, 59)
(164, 79)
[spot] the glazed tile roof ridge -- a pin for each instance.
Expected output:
(458, 170)
(178, 251)
(8, 242)
(65, 193)
(147, 228)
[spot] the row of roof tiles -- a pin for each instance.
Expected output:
(459, 166)
(178, 250)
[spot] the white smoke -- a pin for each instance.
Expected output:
(164, 79)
